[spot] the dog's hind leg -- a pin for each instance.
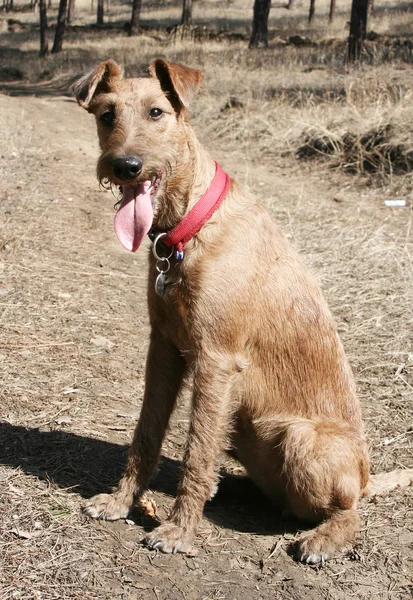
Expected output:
(165, 368)
(326, 466)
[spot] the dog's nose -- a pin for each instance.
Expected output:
(126, 167)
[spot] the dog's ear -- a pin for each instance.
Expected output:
(180, 84)
(100, 81)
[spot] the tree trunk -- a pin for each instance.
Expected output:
(358, 28)
(44, 44)
(186, 13)
(259, 36)
(312, 11)
(134, 22)
(100, 12)
(60, 27)
(332, 11)
(71, 11)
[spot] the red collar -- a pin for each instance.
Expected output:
(198, 215)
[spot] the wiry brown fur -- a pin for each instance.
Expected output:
(243, 318)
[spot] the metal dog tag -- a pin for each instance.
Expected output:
(160, 284)
(162, 266)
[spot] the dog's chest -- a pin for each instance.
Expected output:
(172, 314)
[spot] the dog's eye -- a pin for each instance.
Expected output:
(107, 118)
(155, 113)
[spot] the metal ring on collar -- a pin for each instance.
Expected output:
(154, 251)
(168, 265)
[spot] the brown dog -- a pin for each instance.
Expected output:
(241, 316)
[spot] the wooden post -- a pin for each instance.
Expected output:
(358, 29)
(134, 23)
(259, 36)
(71, 11)
(100, 12)
(186, 18)
(44, 44)
(332, 11)
(312, 11)
(60, 27)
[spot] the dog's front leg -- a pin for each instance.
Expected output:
(164, 373)
(210, 419)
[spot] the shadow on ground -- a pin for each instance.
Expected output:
(88, 466)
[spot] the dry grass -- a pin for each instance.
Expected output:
(383, 145)
(72, 364)
(40, 537)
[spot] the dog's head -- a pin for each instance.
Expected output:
(142, 132)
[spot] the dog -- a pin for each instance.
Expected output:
(233, 309)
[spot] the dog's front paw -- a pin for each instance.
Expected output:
(106, 506)
(170, 538)
(313, 549)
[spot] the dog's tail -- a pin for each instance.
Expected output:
(387, 482)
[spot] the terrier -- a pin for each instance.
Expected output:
(233, 308)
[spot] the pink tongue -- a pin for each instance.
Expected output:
(134, 217)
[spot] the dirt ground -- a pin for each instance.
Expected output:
(74, 333)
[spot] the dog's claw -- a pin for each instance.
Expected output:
(170, 539)
(314, 559)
